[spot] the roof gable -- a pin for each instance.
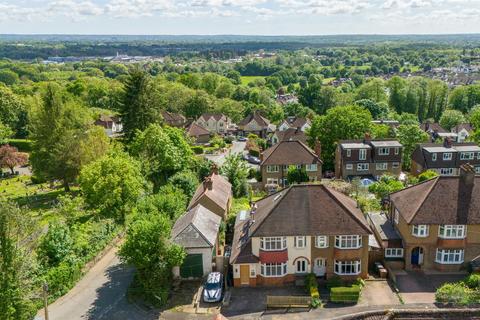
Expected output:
(220, 191)
(196, 228)
(289, 152)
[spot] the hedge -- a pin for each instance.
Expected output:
(22, 145)
(254, 153)
(345, 294)
(197, 149)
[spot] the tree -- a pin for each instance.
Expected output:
(13, 112)
(296, 175)
(112, 185)
(197, 104)
(139, 106)
(427, 175)
(11, 158)
(61, 138)
(374, 90)
(56, 244)
(162, 152)
(463, 98)
(236, 171)
(377, 110)
(348, 122)
(148, 248)
(474, 117)
(451, 118)
(382, 131)
(396, 86)
(5, 133)
(185, 180)
(386, 185)
(8, 77)
(409, 135)
(16, 269)
(169, 201)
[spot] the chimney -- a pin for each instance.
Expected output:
(467, 174)
(208, 183)
(447, 142)
(214, 169)
(318, 148)
(367, 138)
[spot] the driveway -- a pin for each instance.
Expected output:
(418, 287)
(377, 293)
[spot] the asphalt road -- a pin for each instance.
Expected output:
(219, 159)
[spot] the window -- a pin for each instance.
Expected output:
(311, 167)
(348, 242)
(467, 155)
(347, 267)
(383, 151)
(434, 157)
(273, 269)
(252, 272)
(301, 266)
(478, 155)
(446, 171)
(349, 153)
(445, 256)
(273, 168)
(272, 181)
(321, 241)
(393, 253)
(397, 150)
(477, 170)
(299, 166)
(420, 230)
(395, 165)
(349, 166)
(447, 156)
(300, 242)
(396, 214)
(285, 167)
(362, 166)
(381, 166)
(362, 155)
(452, 231)
(273, 243)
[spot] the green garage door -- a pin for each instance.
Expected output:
(192, 266)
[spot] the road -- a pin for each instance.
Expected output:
(219, 159)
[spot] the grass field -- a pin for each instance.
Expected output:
(247, 79)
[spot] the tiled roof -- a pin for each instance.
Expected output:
(195, 130)
(461, 126)
(220, 191)
(441, 200)
(261, 121)
(172, 117)
(203, 221)
(291, 134)
(289, 152)
(216, 116)
(431, 127)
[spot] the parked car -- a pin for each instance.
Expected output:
(242, 139)
(329, 174)
(213, 287)
(254, 160)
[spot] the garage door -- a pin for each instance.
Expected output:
(192, 266)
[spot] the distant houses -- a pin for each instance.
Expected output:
(255, 123)
(197, 133)
(173, 119)
(112, 125)
(215, 123)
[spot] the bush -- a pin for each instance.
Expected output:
(311, 282)
(359, 282)
(334, 281)
(23, 145)
(473, 281)
(456, 293)
(185, 180)
(228, 139)
(62, 278)
(197, 149)
(345, 294)
(254, 152)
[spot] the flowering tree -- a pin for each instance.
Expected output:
(11, 158)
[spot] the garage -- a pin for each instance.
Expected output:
(192, 266)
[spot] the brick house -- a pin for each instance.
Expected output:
(287, 135)
(463, 130)
(299, 230)
(255, 123)
(214, 122)
(173, 119)
(199, 134)
(445, 158)
(367, 158)
(295, 123)
(277, 159)
(438, 222)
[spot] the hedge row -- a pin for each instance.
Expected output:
(22, 145)
(345, 294)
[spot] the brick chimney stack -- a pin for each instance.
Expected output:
(447, 142)
(214, 169)
(467, 174)
(367, 138)
(318, 148)
(208, 183)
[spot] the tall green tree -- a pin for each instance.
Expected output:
(13, 112)
(349, 122)
(374, 90)
(451, 118)
(236, 171)
(378, 110)
(396, 99)
(409, 135)
(437, 99)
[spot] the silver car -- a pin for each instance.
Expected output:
(213, 287)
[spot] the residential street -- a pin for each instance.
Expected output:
(237, 147)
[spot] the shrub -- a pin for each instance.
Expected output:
(359, 282)
(197, 149)
(334, 281)
(473, 281)
(311, 282)
(254, 152)
(185, 180)
(345, 294)
(61, 278)
(23, 145)
(456, 293)
(228, 139)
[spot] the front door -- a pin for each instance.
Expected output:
(417, 256)
(244, 274)
(320, 266)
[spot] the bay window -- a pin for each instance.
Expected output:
(273, 269)
(452, 231)
(347, 267)
(420, 230)
(449, 256)
(273, 243)
(348, 242)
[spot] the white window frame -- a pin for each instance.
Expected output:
(273, 168)
(300, 242)
(272, 181)
(397, 150)
(362, 154)
(348, 242)
(349, 153)
(349, 166)
(449, 256)
(273, 270)
(447, 156)
(381, 166)
(395, 165)
(384, 151)
(274, 243)
(321, 242)
(478, 155)
(452, 231)
(434, 156)
(305, 264)
(253, 272)
(393, 252)
(420, 230)
(355, 265)
(363, 167)
(447, 171)
(477, 169)
(467, 155)
(311, 167)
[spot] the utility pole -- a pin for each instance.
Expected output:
(45, 299)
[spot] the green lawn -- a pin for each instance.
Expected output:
(247, 79)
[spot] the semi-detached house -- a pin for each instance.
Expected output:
(301, 229)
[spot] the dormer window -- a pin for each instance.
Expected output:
(467, 156)
(447, 156)
(397, 150)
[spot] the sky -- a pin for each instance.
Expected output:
(242, 17)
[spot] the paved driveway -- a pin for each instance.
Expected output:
(418, 287)
(377, 293)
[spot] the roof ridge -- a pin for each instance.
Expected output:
(426, 196)
(274, 147)
(329, 191)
